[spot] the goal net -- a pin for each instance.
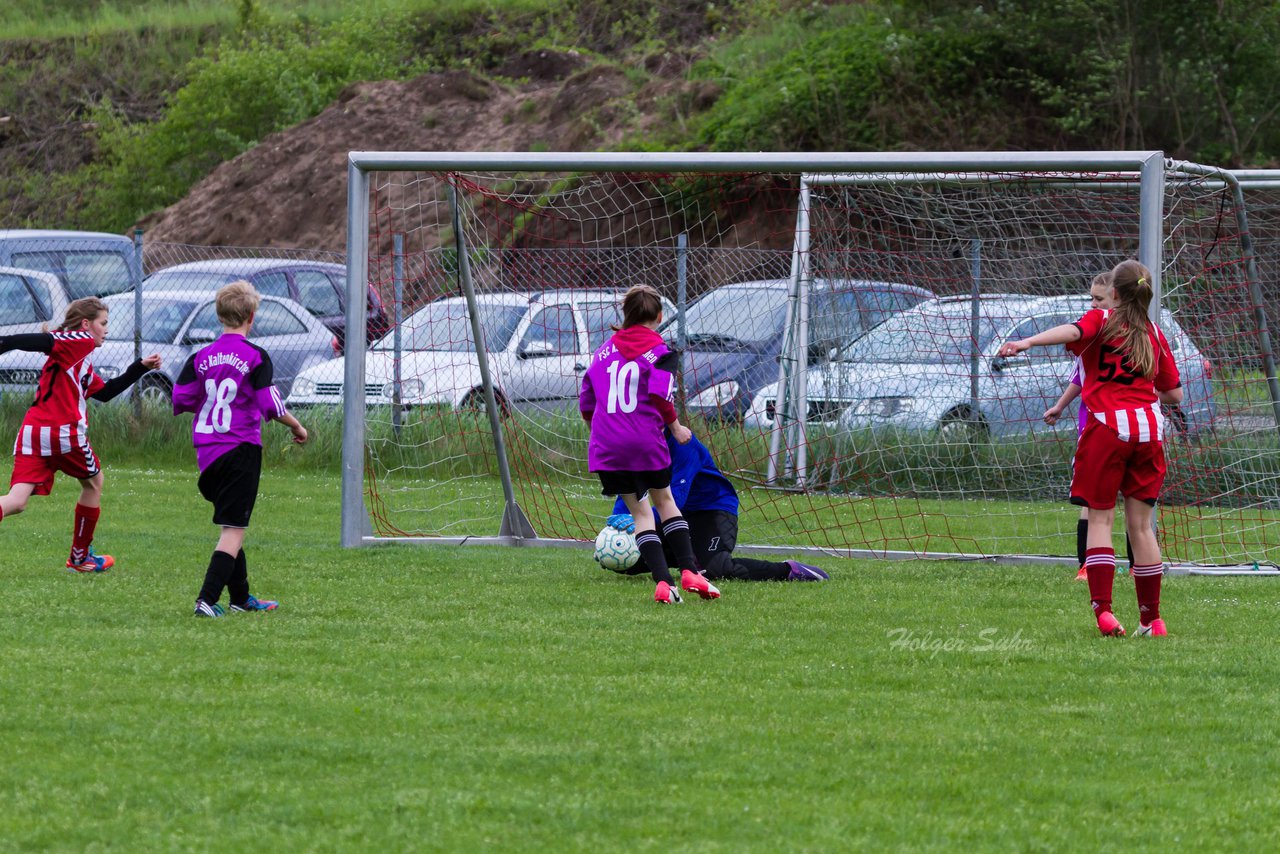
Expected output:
(838, 319)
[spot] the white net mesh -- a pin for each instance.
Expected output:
(913, 437)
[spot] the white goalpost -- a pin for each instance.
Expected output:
(837, 315)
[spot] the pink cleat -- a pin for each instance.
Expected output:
(1082, 575)
(696, 583)
(666, 594)
(1109, 625)
(1155, 630)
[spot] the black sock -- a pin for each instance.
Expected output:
(763, 570)
(221, 566)
(1082, 539)
(238, 583)
(651, 550)
(676, 532)
(1128, 550)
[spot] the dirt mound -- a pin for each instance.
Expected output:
(291, 189)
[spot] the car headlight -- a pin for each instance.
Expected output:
(303, 387)
(882, 407)
(409, 390)
(107, 373)
(717, 396)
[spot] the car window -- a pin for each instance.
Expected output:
(552, 328)
(85, 273)
(316, 293)
(17, 305)
(600, 318)
(834, 319)
(736, 314)
(1036, 325)
(273, 318)
(272, 285)
(878, 304)
(445, 325)
(921, 337)
(161, 319)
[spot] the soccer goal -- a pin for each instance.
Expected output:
(838, 316)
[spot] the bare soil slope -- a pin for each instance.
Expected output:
(290, 190)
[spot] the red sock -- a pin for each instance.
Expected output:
(1146, 579)
(1101, 566)
(82, 533)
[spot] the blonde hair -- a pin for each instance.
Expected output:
(81, 310)
(1128, 320)
(237, 302)
(641, 304)
(1103, 278)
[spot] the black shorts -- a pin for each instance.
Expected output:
(230, 484)
(637, 483)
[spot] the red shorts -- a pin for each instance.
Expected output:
(1105, 464)
(81, 463)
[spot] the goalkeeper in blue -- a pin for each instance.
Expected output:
(709, 503)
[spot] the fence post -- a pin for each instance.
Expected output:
(397, 278)
(137, 273)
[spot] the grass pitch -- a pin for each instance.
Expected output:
(477, 698)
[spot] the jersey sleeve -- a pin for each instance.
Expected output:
(265, 394)
(1167, 377)
(586, 397)
(1076, 377)
(187, 393)
(1090, 325)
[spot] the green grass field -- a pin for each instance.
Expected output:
(477, 698)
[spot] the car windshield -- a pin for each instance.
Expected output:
(179, 280)
(735, 314)
(86, 273)
(445, 325)
(161, 319)
(920, 337)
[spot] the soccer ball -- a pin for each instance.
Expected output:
(616, 550)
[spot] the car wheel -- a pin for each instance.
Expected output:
(959, 428)
(474, 402)
(156, 389)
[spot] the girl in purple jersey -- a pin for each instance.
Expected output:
(228, 384)
(627, 398)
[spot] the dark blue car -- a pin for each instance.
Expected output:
(734, 334)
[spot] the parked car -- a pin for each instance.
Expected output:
(318, 286)
(735, 333)
(538, 344)
(915, 371)
(175, 325)
(88, 263)
(30, 301)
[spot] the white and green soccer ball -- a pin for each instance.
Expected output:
(616, 550)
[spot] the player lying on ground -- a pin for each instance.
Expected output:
(54, 434)
(709, 503)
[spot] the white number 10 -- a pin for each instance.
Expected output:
(215, 415)
(624, 387)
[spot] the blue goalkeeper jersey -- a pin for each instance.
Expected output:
(696, 482)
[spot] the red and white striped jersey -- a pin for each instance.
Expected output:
(1114, 393)
(57, 422)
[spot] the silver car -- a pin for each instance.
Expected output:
(30, 301)
(175, 325)
(539, 345)
(926, 370)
